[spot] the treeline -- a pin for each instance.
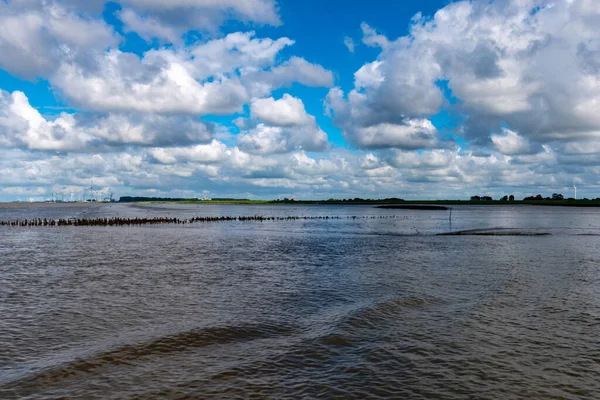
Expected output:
(510, 198)
(481, 198)
(539, 197)
(137, 199)
(556, 197)
(356, 200)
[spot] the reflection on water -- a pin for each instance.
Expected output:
(368, 308)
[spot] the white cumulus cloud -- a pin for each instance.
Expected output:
(22, 126)
(284, 126)
(36, 35)
(532, 66)
(286, 111)
(511, 143)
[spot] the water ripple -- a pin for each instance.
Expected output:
(372, 308)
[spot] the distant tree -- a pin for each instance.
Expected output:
(539, 197)
(504, 198)
(475, 198)
(486, 198)
(511, 198)
(557, 196)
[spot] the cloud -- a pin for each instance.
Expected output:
(66, 42)
(297, 69)
(531, 66)
(261, 83)
(516, 80)
(412, 134)
(582, 147)
(349, 43)
(284, 126)
(216, 77)
(369, 75)
(211, 153)
(208, 15)
(369, 161)
(236, 51)
(366, 128)
(168, 21)
(510, 143)
(69, 44)
(22, 126)
(287, 111)
(38, 35)
(372, 38)
(302, 164)
(148, 27)
(265, 139)
(154, 83)
(441, 173)
(35, 36)
(424, 161)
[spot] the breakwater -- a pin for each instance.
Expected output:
(116, 221)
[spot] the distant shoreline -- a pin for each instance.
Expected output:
(401, 204)
(553, 203)
(414, 207)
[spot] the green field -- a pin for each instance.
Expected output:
(194, 201)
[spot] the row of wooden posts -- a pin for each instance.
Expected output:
(120, 221)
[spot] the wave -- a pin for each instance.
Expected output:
(162, 346)
(371, 317)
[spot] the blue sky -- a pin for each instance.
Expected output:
(320, 27)
(265, 98)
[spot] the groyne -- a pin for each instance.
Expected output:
(137, 221)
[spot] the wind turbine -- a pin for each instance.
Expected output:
(107, 195)
(91, 189)
(575, 189)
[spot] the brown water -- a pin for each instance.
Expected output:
(369, 308)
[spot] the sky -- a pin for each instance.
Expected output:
(428, 99)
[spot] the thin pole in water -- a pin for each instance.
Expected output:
(450, 219)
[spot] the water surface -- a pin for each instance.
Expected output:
(365, 308)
